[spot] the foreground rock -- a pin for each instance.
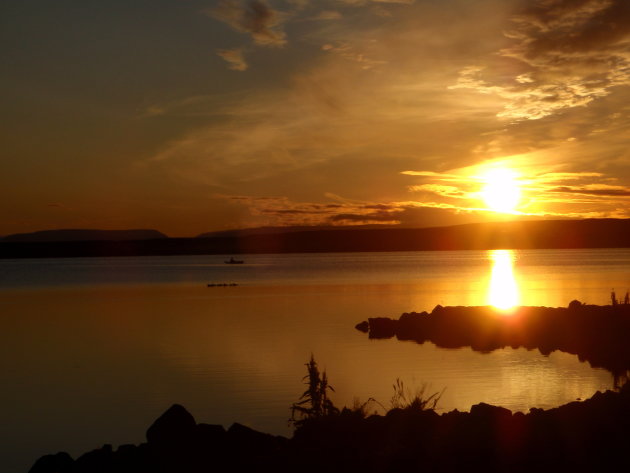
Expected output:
(175, 443)
(597, 334)
(580, 436)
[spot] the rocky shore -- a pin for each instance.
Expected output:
(590, 435)
(597, 334)
(581, 436)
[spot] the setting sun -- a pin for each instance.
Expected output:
(501, 191)
(200, 199)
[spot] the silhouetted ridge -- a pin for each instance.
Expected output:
(243, 232)
(596, 233)
(84, 235)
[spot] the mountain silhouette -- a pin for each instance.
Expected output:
(560, 234)
(86, 235)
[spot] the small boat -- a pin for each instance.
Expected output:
(234, 261)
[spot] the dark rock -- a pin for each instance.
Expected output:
(363, 326)
(211, 438)
(131, 459)
(382, 327)
(250, 449)
(594, 333)
(60, 462)
(244, 435)
(96, 461)
(210, 431)
(579, 436)
(487, 410)
(175, 426)
(410, 326)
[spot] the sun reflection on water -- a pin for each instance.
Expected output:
(503, 290)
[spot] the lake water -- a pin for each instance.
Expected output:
(94, 349)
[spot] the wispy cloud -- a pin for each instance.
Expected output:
(255, 18)
(595, 190)
(574, 194)
(234, 58)
(327, 15)
(556, 177)
(442, 190)
(282, 211)
(565, 54)
(364, 2)
(405, 2)
(347, 52)
(371, 102)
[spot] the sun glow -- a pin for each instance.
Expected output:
(503, 291)
(501, 191)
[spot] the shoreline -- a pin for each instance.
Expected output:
(597, 334)
(579, 436)
(543, 234)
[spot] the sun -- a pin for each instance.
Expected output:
(501, 191)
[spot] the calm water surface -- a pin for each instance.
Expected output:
(94, 349)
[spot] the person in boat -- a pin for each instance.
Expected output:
(234, 261)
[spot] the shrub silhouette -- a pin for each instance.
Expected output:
(314, 402)
(405, 399)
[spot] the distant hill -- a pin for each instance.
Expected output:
(592, 233)
(244, 232)
(84, 235)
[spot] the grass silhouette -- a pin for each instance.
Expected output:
(419, 400)
(314, 402)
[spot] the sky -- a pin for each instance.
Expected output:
(190, 116)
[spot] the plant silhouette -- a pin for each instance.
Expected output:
(406, 399)
(314, 402)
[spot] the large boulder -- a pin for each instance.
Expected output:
(97, 461)
(363, 326)
(174, 427)
(58, 463)
(489, 411)
(382, 327)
